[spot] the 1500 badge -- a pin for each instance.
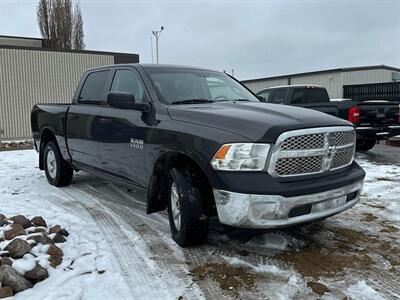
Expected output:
(136, 143)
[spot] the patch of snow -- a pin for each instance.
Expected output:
(25, 264)
(382, 187)
(25, 191)
(259, 268)
(362, 291)
(104, 258)
(286, 286)
(270, 240)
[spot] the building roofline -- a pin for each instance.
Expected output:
(21, 37)
(361, 68)
(68, 50)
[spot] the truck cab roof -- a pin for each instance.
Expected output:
(294, 86)
(146, 66)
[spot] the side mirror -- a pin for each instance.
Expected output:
(262, 99)
(124, 100)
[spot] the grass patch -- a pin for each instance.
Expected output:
(229, 278)
(368, 217)
(318, 287)
(389, 229)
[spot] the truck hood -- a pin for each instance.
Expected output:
(257, 121)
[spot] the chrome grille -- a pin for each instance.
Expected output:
(309, 141)
(312, 151)
(344, 138)
(298, 165)
(342, 158)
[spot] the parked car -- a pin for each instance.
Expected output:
(373, 120)
(198, 143)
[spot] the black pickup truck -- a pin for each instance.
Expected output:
(200, 144)
(373, 120)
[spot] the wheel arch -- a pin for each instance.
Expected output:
(46, 136)
(158, 185)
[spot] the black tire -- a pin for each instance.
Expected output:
(191, 204)
(63, 172)
(365, 145)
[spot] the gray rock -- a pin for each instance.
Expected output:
(64, 232)
(55, 260)
(18, 248)
(59, 238)
(54, 250)
(41, 239)
(3, 220)
(39, 221)
(16, 230)
(6, 292)
(6, 261)
(39, 229)
(37, 274)
(21, 220)
(55, 229)
(10, 277)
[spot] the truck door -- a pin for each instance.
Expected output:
(83, 119)
(122, 146)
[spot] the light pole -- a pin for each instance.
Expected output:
(157, 34)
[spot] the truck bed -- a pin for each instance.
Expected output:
(50, 116)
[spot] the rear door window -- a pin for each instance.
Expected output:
(309, 95)
(279, 96)
(94, 86)
(264, 94)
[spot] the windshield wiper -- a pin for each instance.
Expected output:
(193, 101)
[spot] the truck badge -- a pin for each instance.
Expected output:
(137, 144)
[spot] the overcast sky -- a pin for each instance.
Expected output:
(255, 38)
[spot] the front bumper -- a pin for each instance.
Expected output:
(377, 132)
(274, 211)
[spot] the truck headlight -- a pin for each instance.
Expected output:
(241, 157)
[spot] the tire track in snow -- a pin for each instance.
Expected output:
(157, 229)
(140, 276)
(385, 285)
(167, 255)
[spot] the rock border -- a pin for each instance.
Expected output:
(27, 250)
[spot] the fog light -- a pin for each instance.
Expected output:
(329, 204)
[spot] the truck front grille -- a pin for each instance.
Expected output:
(312, 151)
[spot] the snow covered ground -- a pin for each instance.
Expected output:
(116, 251)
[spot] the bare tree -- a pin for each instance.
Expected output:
(78, 41)
(60, 25)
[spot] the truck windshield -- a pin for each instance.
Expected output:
(309, 95)
(188, 86)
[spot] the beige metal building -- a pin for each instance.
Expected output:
(333, 80)
(30, 73)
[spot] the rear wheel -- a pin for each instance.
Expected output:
(58, 171)
(186, 211)
(365, 145)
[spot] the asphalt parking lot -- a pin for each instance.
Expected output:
(382, 153)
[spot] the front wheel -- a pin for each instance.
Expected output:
(58, 171)
(365, 145)
(186, 211)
